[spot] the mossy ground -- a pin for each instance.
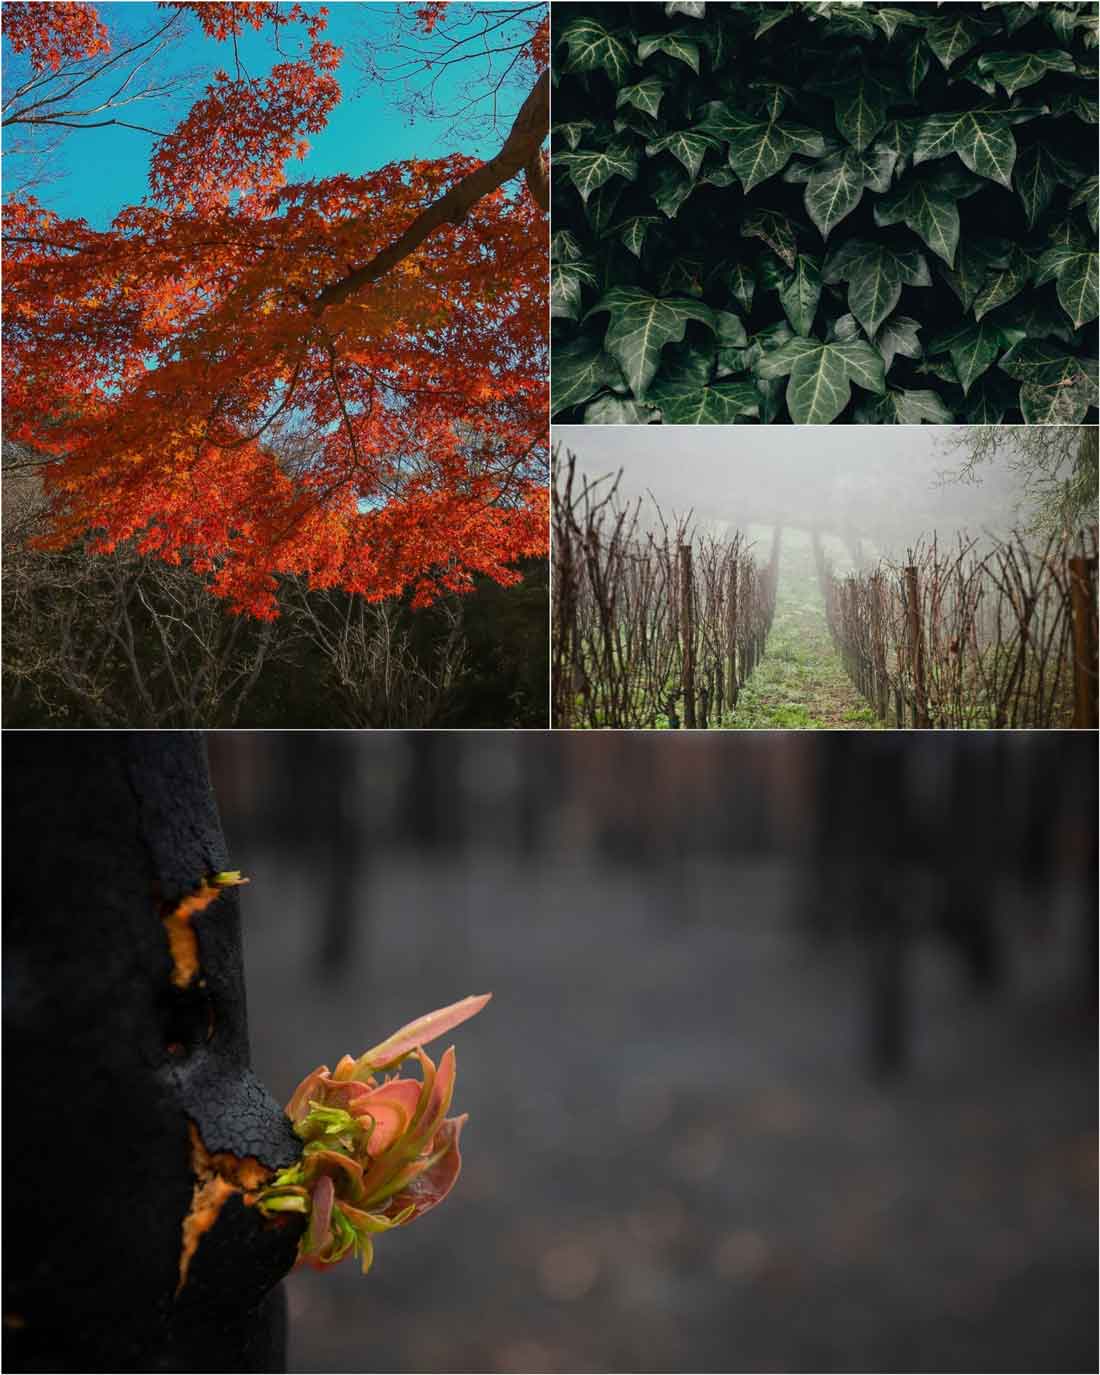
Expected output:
(800, 683)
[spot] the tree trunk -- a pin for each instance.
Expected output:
(118, 1063)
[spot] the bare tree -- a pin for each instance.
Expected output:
(375, 676)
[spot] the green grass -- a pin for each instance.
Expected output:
(800, 683)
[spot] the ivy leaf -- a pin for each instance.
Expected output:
(632, 232)
(1075, 270)
(875, 275)
(617, 410)
(771, 97)
(890, 17)
(860, 109)
(687, 146)
(739, 279)
(917, 62)
(1083, 107)
(758, 149)
(834, 191)
(982, 138)
(1003, 283)
(573, 133)
(928, 210)
(690, 9)
(600, 209)
(973, 262)
(1088, 194)
(1014, 71)
(567, 283)
(897, 335)
(640, 326)
(821, 375)
(1037, 172)
(875, 289)
(729, 330)
(581, 369)
(989, 400)
(645, 95)
(800, 292)
(588, 170)
(1057, 387)
(773, 14)
(593, 48)
(973, 350)
(670, 187)
(678, 44)
(1064, 404)
(899, 137)
(900, 407)
(952, 36)
(719, 404)
(775, 229)
(564, 247)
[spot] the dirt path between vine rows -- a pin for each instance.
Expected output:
(800, 683)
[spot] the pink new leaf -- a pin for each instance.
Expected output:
(394, 1049)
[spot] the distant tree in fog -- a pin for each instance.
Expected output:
(1057, 464)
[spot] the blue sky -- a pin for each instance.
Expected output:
(102, 170)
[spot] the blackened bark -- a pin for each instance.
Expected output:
(107, 1066)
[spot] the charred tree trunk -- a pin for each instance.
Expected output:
(127, 1069)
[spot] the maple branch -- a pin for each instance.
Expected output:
(520, 149)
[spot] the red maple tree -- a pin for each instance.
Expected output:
(342, 379)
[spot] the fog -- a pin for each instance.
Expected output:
(887, 486)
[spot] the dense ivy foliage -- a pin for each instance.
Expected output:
(824, 212)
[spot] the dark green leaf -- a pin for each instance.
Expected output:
(982, 138)
(719, 404)
(632, 232)
(572, 134)
(860, 107)
(775, 229)
(820, 376)
(1003, 283)
(589, 169)
(679, 44)
(800, 293)
(897, 335)
(618, 410)
(564, 247)
(593, 48)
(687, 146)
(1075, 270)
(578, 371)
(670, 187)
(1087, 194)
(567, 283)
(952, 35)
(928, 210)
(1037, 172)
(1014, 70)
(640, 326)
(644, 95)
(899, 407)
(834, 190)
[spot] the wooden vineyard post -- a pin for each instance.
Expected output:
(687, 632)
(916, 645)
(878, 649)
(855, 663)
(731, 635)
(1083, 603)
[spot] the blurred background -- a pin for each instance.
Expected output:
(791, 1061)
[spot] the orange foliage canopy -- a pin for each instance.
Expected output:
(195, 394)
